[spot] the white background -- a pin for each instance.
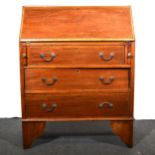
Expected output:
(144, 21)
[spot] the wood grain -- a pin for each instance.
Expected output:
(124, 129)
(75, 79)
(31, 130)
(22, 50)
(69, 119)
(77, 36)
(60, 23)
(73, 55)
(68, 105)
(132, 76)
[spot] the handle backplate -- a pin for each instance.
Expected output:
(111, 56)
(49, 109)
(108, 81)
(102, 105)
(52, 56)
(49, 83)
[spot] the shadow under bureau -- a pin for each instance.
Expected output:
(77, 64)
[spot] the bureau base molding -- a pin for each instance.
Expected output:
(33, 129)
(75, 119)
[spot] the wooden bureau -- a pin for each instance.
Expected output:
(77, 64)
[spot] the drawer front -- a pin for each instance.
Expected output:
(75, 55)
(72, 105)
(74, 79)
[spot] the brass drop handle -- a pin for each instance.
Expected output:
(108, 81)
(101, 105)
(101, 55)
(52, 56)
(49, 83)
(49, 109)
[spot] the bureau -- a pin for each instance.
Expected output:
(77, 64)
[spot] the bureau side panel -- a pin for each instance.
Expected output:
(132, 76)
(22, 51)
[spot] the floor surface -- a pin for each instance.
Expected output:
(82, 138)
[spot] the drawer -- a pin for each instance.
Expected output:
(75, 55)
(75, 79)
(76, 105)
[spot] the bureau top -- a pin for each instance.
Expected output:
(97, 23)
